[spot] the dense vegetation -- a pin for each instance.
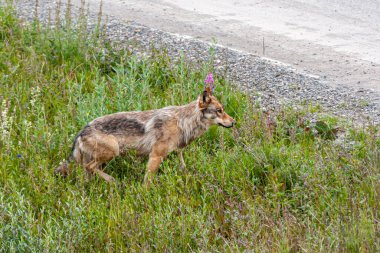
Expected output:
(274, 183)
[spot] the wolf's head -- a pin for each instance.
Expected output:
(213, 110)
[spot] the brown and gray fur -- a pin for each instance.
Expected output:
(155, 133)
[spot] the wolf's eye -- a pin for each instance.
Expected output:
(219, 110)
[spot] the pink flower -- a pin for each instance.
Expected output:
(209, 79)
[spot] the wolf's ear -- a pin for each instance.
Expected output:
(205, 99)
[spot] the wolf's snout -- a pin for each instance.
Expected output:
(228, 125)
(233, 122)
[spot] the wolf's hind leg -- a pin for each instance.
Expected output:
(94, 167)
(102, 150)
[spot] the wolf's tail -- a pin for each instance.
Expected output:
(63, 168)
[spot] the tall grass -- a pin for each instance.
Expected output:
(271, 184)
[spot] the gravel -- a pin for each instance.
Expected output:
(271, 84)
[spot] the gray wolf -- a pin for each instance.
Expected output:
(155, 133)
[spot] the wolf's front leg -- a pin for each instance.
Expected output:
(180, 155)
(156, 157)
(153, 165)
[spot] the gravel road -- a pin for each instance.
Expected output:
(270, 83)
(339, 40)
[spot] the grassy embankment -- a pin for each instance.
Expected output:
(262, 186)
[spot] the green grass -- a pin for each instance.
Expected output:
(266, 185)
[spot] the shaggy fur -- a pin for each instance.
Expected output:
(155, 133)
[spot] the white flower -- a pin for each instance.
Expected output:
(5, 123)
(35, 94)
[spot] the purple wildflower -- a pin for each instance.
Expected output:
(19, 155)
(209, 79)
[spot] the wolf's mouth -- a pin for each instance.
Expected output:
(225, 126)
